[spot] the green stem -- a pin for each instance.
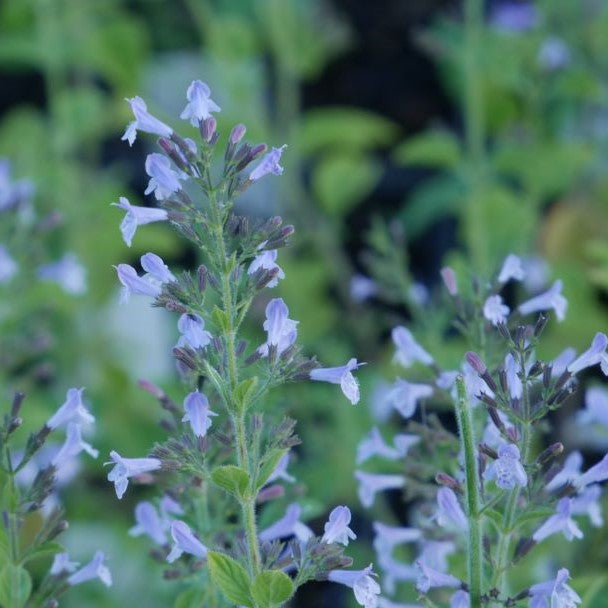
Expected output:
(238, 419)
(504, 543)
(474, 549)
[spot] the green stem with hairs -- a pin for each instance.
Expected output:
(238, 418)
(474, 548)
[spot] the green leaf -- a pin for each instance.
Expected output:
(231, 478)
(438, 198)
(221, 319)
(271, 588)
(342, 181)
(343, 128)
(15, 586)
(431, 149)
(230, 577)
(268, 465)
(244, 392)
(190, 598)
(47, 550)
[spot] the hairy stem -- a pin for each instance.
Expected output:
(238, 418)
(474, 549)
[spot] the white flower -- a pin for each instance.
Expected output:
(495, 311)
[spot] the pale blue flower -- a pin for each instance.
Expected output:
(68, 273)
(62, 563)
(268, 164)
(511, 269)
(200, 105)
(449, 511)
(405, 396)
(164, 181)
(553, 54)
(435, 553)
(8, 266)
(144, 122)
(429, 578)
(282, 331)
(588, 503)
(129, 467)
(507, 471)
(460, 599)
(192, 328)
(371, 483)
(73, 445)
(362, 288)
(552, 299)
(561, 521)
(388, 537)
(495, 311)
(395, 571)
(198, 413)
(185, 542)
(134, 284)
(156, 268)
(137, 216)
(72, 410)
(336, 529)
(408, 350)
(474, 384)
(340, 375)
(513, 380)
(267, 261)
(94, 569)
(12, 193)
(554, 594)
(598, 472)
(288, 525)
(280, 471)
(385, 603)
(169, 507)
(365, 588)
(592, 356)
(148, 522)
(514, 16)
(596, 407)
(374, 445)
(569, 473)
(561, 362)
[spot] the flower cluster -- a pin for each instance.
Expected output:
(32, 474)
(492, 482)
(225, 454)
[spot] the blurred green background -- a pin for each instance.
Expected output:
(420, 133)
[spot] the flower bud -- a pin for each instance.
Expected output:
(237, 133)
(186, 356)
(550, 453)
(208, 128)
(449, 280)
(443, 479)
(171, 152)
(541, 323)
(201, 275)
(270, 493)
(498, 423)
(16, 405)
(474, 360)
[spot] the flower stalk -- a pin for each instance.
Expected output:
(474, 547)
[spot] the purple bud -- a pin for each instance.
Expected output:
(449, 279)
(476, 363)
(208, 128)
(237, 133)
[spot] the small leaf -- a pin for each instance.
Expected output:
(15, 586)
(231, 478)
(47, 550)
(190, 598)
(244, 392)
(271, 588)
(230, 577)
(221, 319)
(431, 149)
(342, 181)
(268, 465)
(344, 128)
